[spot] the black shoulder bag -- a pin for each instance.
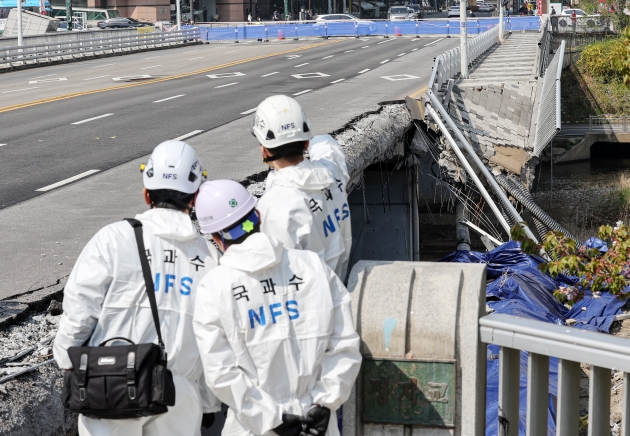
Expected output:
(126, 381)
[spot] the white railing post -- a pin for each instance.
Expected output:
(599, 402)
(509, 390)
(537, 394)
(625, 411)
(568, 413)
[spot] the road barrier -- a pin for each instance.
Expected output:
(47, 52)
(325, 29)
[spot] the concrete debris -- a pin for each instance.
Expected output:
(370, 138)
(55, 308)
(35, 396)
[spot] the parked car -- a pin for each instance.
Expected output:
(119, 23)
(364, 27)
(397, 13)
(578, 13)
(416, 13)
(486, 7)
(453, 11)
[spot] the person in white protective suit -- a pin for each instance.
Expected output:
(273, 325)
(105, 294)
(305, 204)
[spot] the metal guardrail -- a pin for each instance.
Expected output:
(544, 46)
(448, 65)
(572, 347)
(608, 123)
(548, 119)
(53, 50)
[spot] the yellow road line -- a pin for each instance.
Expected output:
(415, 94)
(162, 79)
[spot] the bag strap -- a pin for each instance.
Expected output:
(148, 279)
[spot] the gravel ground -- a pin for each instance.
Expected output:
(30, 404)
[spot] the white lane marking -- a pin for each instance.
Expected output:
(383, 42)
(190, 51)
(301, 65)
(364, 71)
(348, 51)
(92, 119)
(431, 43)
(105, 65)
(16, 90)
(415, 49)
(365, 46)
(223, 75)
(303, 92)
(148, 68)
(294, 56)
(169, 98)
(53, 79)
(228, 52)
(365, 39)
(328, 57)
(152, 57)
(385, 61)
(66, 181)
(402, 54)
(309, 75)
(97, 77)
(249, 111)
(223, 86)
(39, 77)
(398, 77)
(192, 59)
(2, 145)
(139, 76)
(187, 135)
(269, 74)
(338, 80)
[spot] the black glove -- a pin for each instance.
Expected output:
(291, 425)
(317, 420)
(207, 420)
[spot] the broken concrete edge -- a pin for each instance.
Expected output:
(86, 57)
(374, 141)
(17, 307)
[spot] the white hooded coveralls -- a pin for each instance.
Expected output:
(275, 333)
(105, 297)
(306, 206)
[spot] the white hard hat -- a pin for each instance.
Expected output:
(221, 204)
(280, 120)
(173, 165)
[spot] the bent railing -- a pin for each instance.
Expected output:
(52, 50)
(548, 119)
(571, 346)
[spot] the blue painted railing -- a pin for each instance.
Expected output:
(311, 29)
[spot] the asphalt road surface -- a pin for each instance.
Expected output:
(94, 122)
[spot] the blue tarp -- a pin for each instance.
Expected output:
(519, 288)
(280, 30)
(29, 4)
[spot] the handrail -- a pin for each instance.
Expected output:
(435, 103)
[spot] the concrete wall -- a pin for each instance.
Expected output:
(582, 150)
(422, 311)
(32, 24)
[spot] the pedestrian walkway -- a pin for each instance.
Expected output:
(495, 105)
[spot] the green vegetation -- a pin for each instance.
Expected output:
(595, 83)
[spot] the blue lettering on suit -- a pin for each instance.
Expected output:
(291, 307)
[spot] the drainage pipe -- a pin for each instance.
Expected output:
(468, 168)
(524, 197)
(463, 235)
(491, 181)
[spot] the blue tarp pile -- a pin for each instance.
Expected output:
(518, 288)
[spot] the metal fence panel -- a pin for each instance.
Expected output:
(322, 29)
(548, 121)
